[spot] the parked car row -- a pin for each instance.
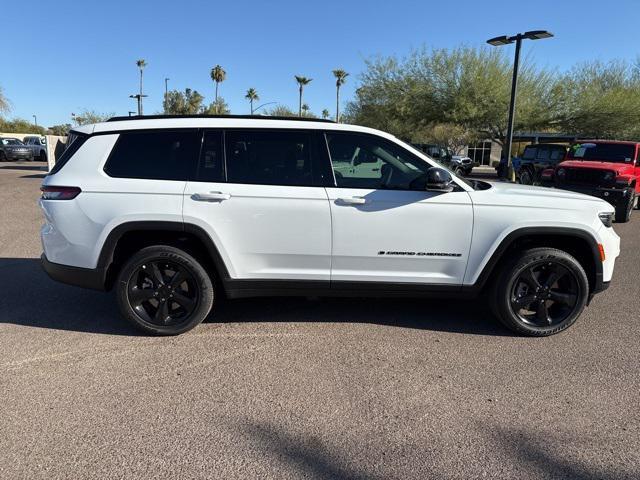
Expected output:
(608, 169)
(30, 148)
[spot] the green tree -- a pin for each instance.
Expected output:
(302, 82)
(188, 102)
(60, 130)
(601, 100)
(341, 78)
(5, 105)
(464, 86)
(87, 117)
(218, 75)
(141, 64)
(19, 125)
(450, 135)
(252, 95)
(218, 107)
(325, 113)
(281, 111)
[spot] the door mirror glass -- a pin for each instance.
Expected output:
(439, 180)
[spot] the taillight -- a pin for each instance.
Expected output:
(59, 193)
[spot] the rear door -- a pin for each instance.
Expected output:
(258, 196)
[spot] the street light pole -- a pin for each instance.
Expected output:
(35, 120)
(505, 40)
(166, 93)
(259, 107)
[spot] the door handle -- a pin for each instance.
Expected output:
(210, 197)
(352, 201)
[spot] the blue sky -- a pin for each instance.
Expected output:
(81, 55)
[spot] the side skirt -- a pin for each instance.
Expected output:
(313, 288)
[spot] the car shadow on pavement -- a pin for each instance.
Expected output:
(42, 167)
(29, 297)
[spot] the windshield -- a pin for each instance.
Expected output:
(604, 152)
(11, 141)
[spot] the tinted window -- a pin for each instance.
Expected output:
(161, 155)
(608, 152)
(557, 154)
(74, 142)
(362, 161)
(529, 153)
(269, 157)
(543, 153)
(211, 167)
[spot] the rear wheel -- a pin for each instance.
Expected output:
(623, 210)
(542, 292)
(43, 156)
(164, 291)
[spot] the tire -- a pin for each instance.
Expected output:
(458, 171)
(526, 178)
(557, 302)
(144, 290)
(43, 156)
(623, 211)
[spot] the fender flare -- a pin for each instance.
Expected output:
(512, 237)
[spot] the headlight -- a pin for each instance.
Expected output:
(606, 218)
(608, 176)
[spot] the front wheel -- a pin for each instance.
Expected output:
(623, 210)
(542, 292)
(526, 178)
(164, 291)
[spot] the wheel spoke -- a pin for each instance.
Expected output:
(156, 274)
(178, 277)
(542, 313)
(162, 314)
(529, 278)
(184, 301)
(524, 301)
(553, 277)
(564, 298)
(138, 295)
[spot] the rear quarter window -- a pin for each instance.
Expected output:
(157, 155)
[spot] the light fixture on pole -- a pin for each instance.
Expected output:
(139, 98)
(505, 40)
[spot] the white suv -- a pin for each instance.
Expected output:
(174, 212)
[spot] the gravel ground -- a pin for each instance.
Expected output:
(296, 388)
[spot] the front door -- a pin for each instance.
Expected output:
(262, 210)
(386, 226)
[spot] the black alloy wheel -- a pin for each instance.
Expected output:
(544, 294)
(165, 291)
(539, 292)
(162, 292)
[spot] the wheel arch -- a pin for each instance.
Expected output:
(129, 237)
(578, 243)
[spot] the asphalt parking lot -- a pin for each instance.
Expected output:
(297, 388)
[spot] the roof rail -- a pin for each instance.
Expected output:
(245, 117)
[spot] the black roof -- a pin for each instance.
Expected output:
(245, 117)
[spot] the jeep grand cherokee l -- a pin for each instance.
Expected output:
(174, 213)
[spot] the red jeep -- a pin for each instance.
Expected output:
(603, 168)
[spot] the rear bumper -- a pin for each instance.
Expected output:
(92, 278)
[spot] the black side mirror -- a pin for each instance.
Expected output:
(439, 180)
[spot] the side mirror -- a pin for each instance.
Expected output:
(439, 180)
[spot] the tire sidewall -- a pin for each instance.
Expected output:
(203, 282)
(528, 259)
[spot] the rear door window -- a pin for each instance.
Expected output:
(155, 155)
(269, 157)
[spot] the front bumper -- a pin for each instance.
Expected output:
(13, 155)
(614, 196)
(92, 278)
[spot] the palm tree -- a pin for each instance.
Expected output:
(341, 77)
(141, 63)
(325, 114)
(305, 109)
(302, 81)
(252, 95)
(218, 75)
